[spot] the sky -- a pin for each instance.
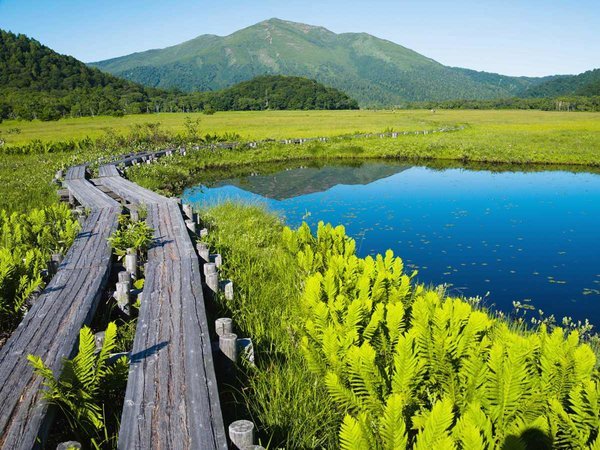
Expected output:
(512, 37)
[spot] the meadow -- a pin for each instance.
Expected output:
(289, 124)
(33, 151)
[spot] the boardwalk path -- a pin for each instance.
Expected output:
(51, 327)
(172, 399)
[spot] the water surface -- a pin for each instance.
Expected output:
(527, 236)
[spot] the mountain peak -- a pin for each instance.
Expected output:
(372, 70)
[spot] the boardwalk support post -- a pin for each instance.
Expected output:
(191, 225)
(55, 261)
(131, 262)
(212, 277)
(187, 210)
(228, 345)
(122, 293)
(223, 325)
(227, 287)
(203, 250)
(241, 433)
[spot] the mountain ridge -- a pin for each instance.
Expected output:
(375, 71)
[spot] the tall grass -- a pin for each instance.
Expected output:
(281, 394)
(353, 345)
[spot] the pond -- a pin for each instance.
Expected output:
(507, 236)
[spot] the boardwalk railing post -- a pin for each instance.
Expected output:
(241, 433)
(223, 325)
(131, 262)
(212, 277)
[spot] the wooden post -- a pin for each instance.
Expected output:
(55, 261)
(227, 287)
(99, 339)
(123, 290)
(217, 259)
(68, 445)
(209, 268)
(131, 262)
(203, 251)
(241, 433)
(191, 225)
(212, 277)
(187, 210)
(223, 326)
(228, 345)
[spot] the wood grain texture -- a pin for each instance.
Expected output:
(172, 399)
(50, 329)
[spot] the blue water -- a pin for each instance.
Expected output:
(532, 237)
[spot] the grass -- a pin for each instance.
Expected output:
(249, 124)
(516, 137)
(285, 124)
(405, 349)
(280, 392)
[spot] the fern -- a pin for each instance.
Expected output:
(86, 383)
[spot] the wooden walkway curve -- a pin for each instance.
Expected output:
(51, 327)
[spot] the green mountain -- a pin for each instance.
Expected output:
(372, 70)
(37, 82)
(584, 84)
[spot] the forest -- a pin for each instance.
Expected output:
(38, 83)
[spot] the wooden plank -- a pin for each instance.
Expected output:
(50, 330)
(172, 400)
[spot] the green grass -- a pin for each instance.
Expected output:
(279, 393)
(339, 340)
(517, 137)
(285, 124)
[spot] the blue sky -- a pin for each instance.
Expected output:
(527, 37)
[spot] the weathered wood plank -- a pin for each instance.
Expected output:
(50, 330)
(172, 398)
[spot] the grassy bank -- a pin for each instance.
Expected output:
(31, 155)
(351, 353)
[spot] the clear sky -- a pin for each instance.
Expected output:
(513, 37)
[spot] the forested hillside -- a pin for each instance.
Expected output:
(584, 84)
(279, 92)
(372, 70)
(38, 83)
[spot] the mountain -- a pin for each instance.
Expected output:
(38, 83)
(372, 70)
(584, 84)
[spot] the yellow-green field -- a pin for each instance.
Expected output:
(514, 137)
(285, 124)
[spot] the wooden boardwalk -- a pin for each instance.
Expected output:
(51, 327)
(172, 399)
